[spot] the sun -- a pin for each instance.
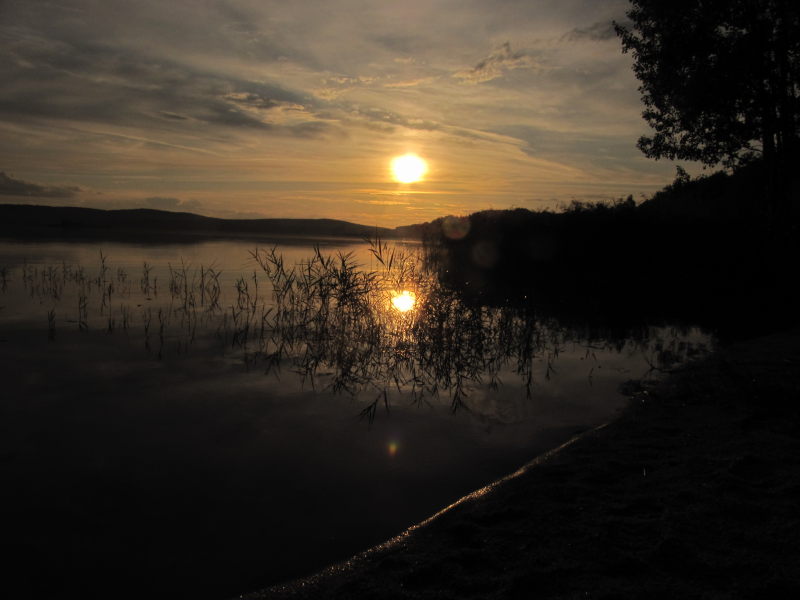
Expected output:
(408, 168)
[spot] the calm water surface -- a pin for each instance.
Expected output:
(151, 443)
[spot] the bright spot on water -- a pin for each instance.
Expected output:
(404, 301)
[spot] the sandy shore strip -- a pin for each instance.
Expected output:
(694, 492)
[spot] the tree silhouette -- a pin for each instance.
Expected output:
(720, 81)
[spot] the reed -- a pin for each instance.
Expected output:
(125, 316)
(145, 284)
(83, 312)
(51, 324)
(102, 275)
(147, 319)
(161, 323)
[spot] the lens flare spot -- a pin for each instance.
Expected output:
(456, 228)
(404, 301)
(484, 254)
(408, 168)
(392, 447)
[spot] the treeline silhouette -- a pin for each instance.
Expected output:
(706, 251)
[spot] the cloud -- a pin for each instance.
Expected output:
(315, 130)
(169, 115)
(580, 148)
(597, 32)
(254, 100)
(16, 187)
(401, 42)
(375, 118)
(384, 202)
(495, 65)
(90, 80)
(409, 82)
(334, 86)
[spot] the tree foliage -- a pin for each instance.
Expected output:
(720, 79)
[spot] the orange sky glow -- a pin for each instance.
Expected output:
(248, 108)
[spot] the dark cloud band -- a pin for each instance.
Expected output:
(17, 187)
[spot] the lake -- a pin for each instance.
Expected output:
(205, 419)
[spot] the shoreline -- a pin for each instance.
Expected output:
(692, 491)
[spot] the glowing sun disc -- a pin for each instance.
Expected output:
(408, 168)
(404, 301)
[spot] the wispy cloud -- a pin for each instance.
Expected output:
(498, 63)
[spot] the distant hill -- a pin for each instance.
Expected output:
(20, 220)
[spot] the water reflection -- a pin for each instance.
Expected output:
(342, 327)
(404, 301)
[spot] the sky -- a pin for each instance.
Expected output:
(279, 108)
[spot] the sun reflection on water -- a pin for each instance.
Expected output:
(404, 301)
